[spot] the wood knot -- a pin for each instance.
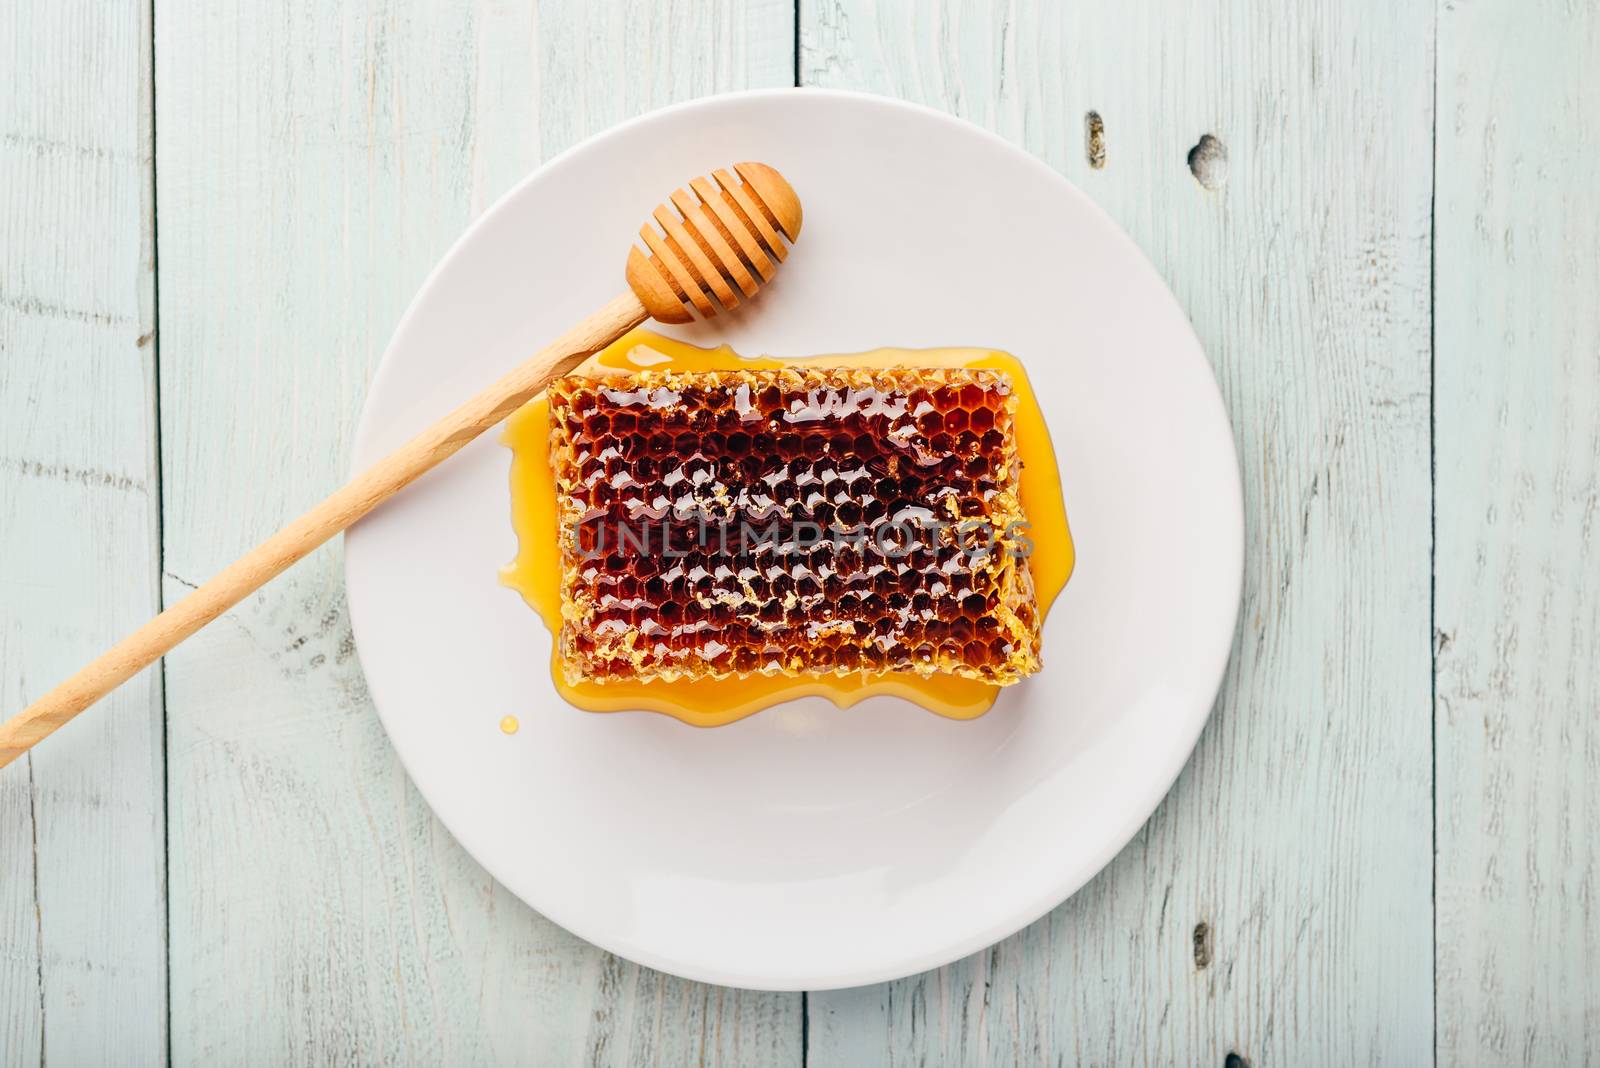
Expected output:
(1202, 945)
(1094, 136)
(1208, 162)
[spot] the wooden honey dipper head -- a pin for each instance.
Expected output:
(715, 247)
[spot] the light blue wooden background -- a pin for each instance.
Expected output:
(1383, 851)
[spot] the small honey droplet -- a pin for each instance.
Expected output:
(509, 725)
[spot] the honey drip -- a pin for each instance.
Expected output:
(536, 572)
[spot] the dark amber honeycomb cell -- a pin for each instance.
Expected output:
(791, 522)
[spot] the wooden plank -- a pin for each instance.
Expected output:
(315, 161)
(82, 906)
(1518, 445)
(1295, 849)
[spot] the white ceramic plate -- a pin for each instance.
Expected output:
(809, 847)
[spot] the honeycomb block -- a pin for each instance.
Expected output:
(795, 522)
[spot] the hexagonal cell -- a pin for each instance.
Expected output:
(880, 463)
(972, 396)
(946, 398)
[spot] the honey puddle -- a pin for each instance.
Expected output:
(536, 572)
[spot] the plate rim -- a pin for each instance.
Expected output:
(1230, 514)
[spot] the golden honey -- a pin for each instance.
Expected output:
(952, 665)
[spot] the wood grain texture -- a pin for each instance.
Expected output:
(315, 161)
(1518, 441)
(82, 906)
(1298, 239)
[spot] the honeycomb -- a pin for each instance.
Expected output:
(794, 522)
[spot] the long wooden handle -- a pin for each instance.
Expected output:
(348, 504)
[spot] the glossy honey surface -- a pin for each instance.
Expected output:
(802, 521)
(709, 701)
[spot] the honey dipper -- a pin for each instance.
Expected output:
(712, 249)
